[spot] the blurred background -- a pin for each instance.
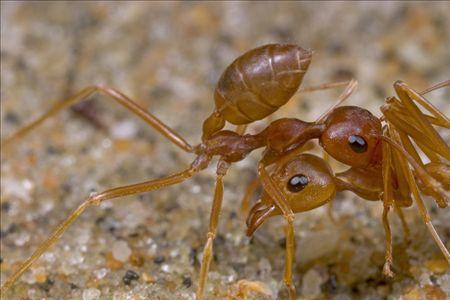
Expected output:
(168, 56)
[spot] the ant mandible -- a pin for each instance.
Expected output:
(253, 87)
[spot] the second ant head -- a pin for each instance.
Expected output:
(306, 182)
(352, 136)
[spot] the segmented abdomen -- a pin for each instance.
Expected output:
(258, 82)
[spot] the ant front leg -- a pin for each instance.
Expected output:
(118, 97)
(415, 123)
(388, 202)
(406, 231)
(222, 168)
(421, 173)
(96, 199)
(274, 192)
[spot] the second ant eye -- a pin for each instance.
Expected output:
(357, 143)
(297, 183)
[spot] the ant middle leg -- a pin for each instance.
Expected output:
(222, 168)
(322, 87)
(96, 199)
(119, 97)
(351, 87)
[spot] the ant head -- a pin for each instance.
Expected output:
(352, 136)
(306, 182)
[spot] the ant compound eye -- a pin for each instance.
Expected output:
(357, 143)
(297, 183)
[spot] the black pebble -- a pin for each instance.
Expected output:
(73, 286)
(159, 260)
(187, 282)
(6, 206)
(129, 277)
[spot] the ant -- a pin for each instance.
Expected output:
(253, 87)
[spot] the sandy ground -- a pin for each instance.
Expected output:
(168, 57)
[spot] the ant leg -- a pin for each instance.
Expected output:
(407, 97)
(403, 162)
(388, 201)
(96, 199)
(118, 97)
(406, 231)
(326, 158)
(388, 256)
(271, 188)
(290, 251)
(436, 86)
(324, 86)
(249, 191)
(422, 101)
(396, 107)
(407, 131)
(222, 168)
(349, 90)
(431, 185)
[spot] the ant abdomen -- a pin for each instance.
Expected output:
(256, 84)
(260, 81)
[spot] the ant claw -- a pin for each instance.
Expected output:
(387, 270)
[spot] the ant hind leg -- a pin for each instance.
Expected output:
(118, 97)
(96, 199)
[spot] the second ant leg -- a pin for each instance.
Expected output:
(222, 168)
(388, 201)
(326, 158)
(118, 97)
(388, 256)
(420, 204)
(290, 252)
(406, 96)
(322, 87)
(349, 90)
(96, 199)
(271, 188)
(406, 231)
